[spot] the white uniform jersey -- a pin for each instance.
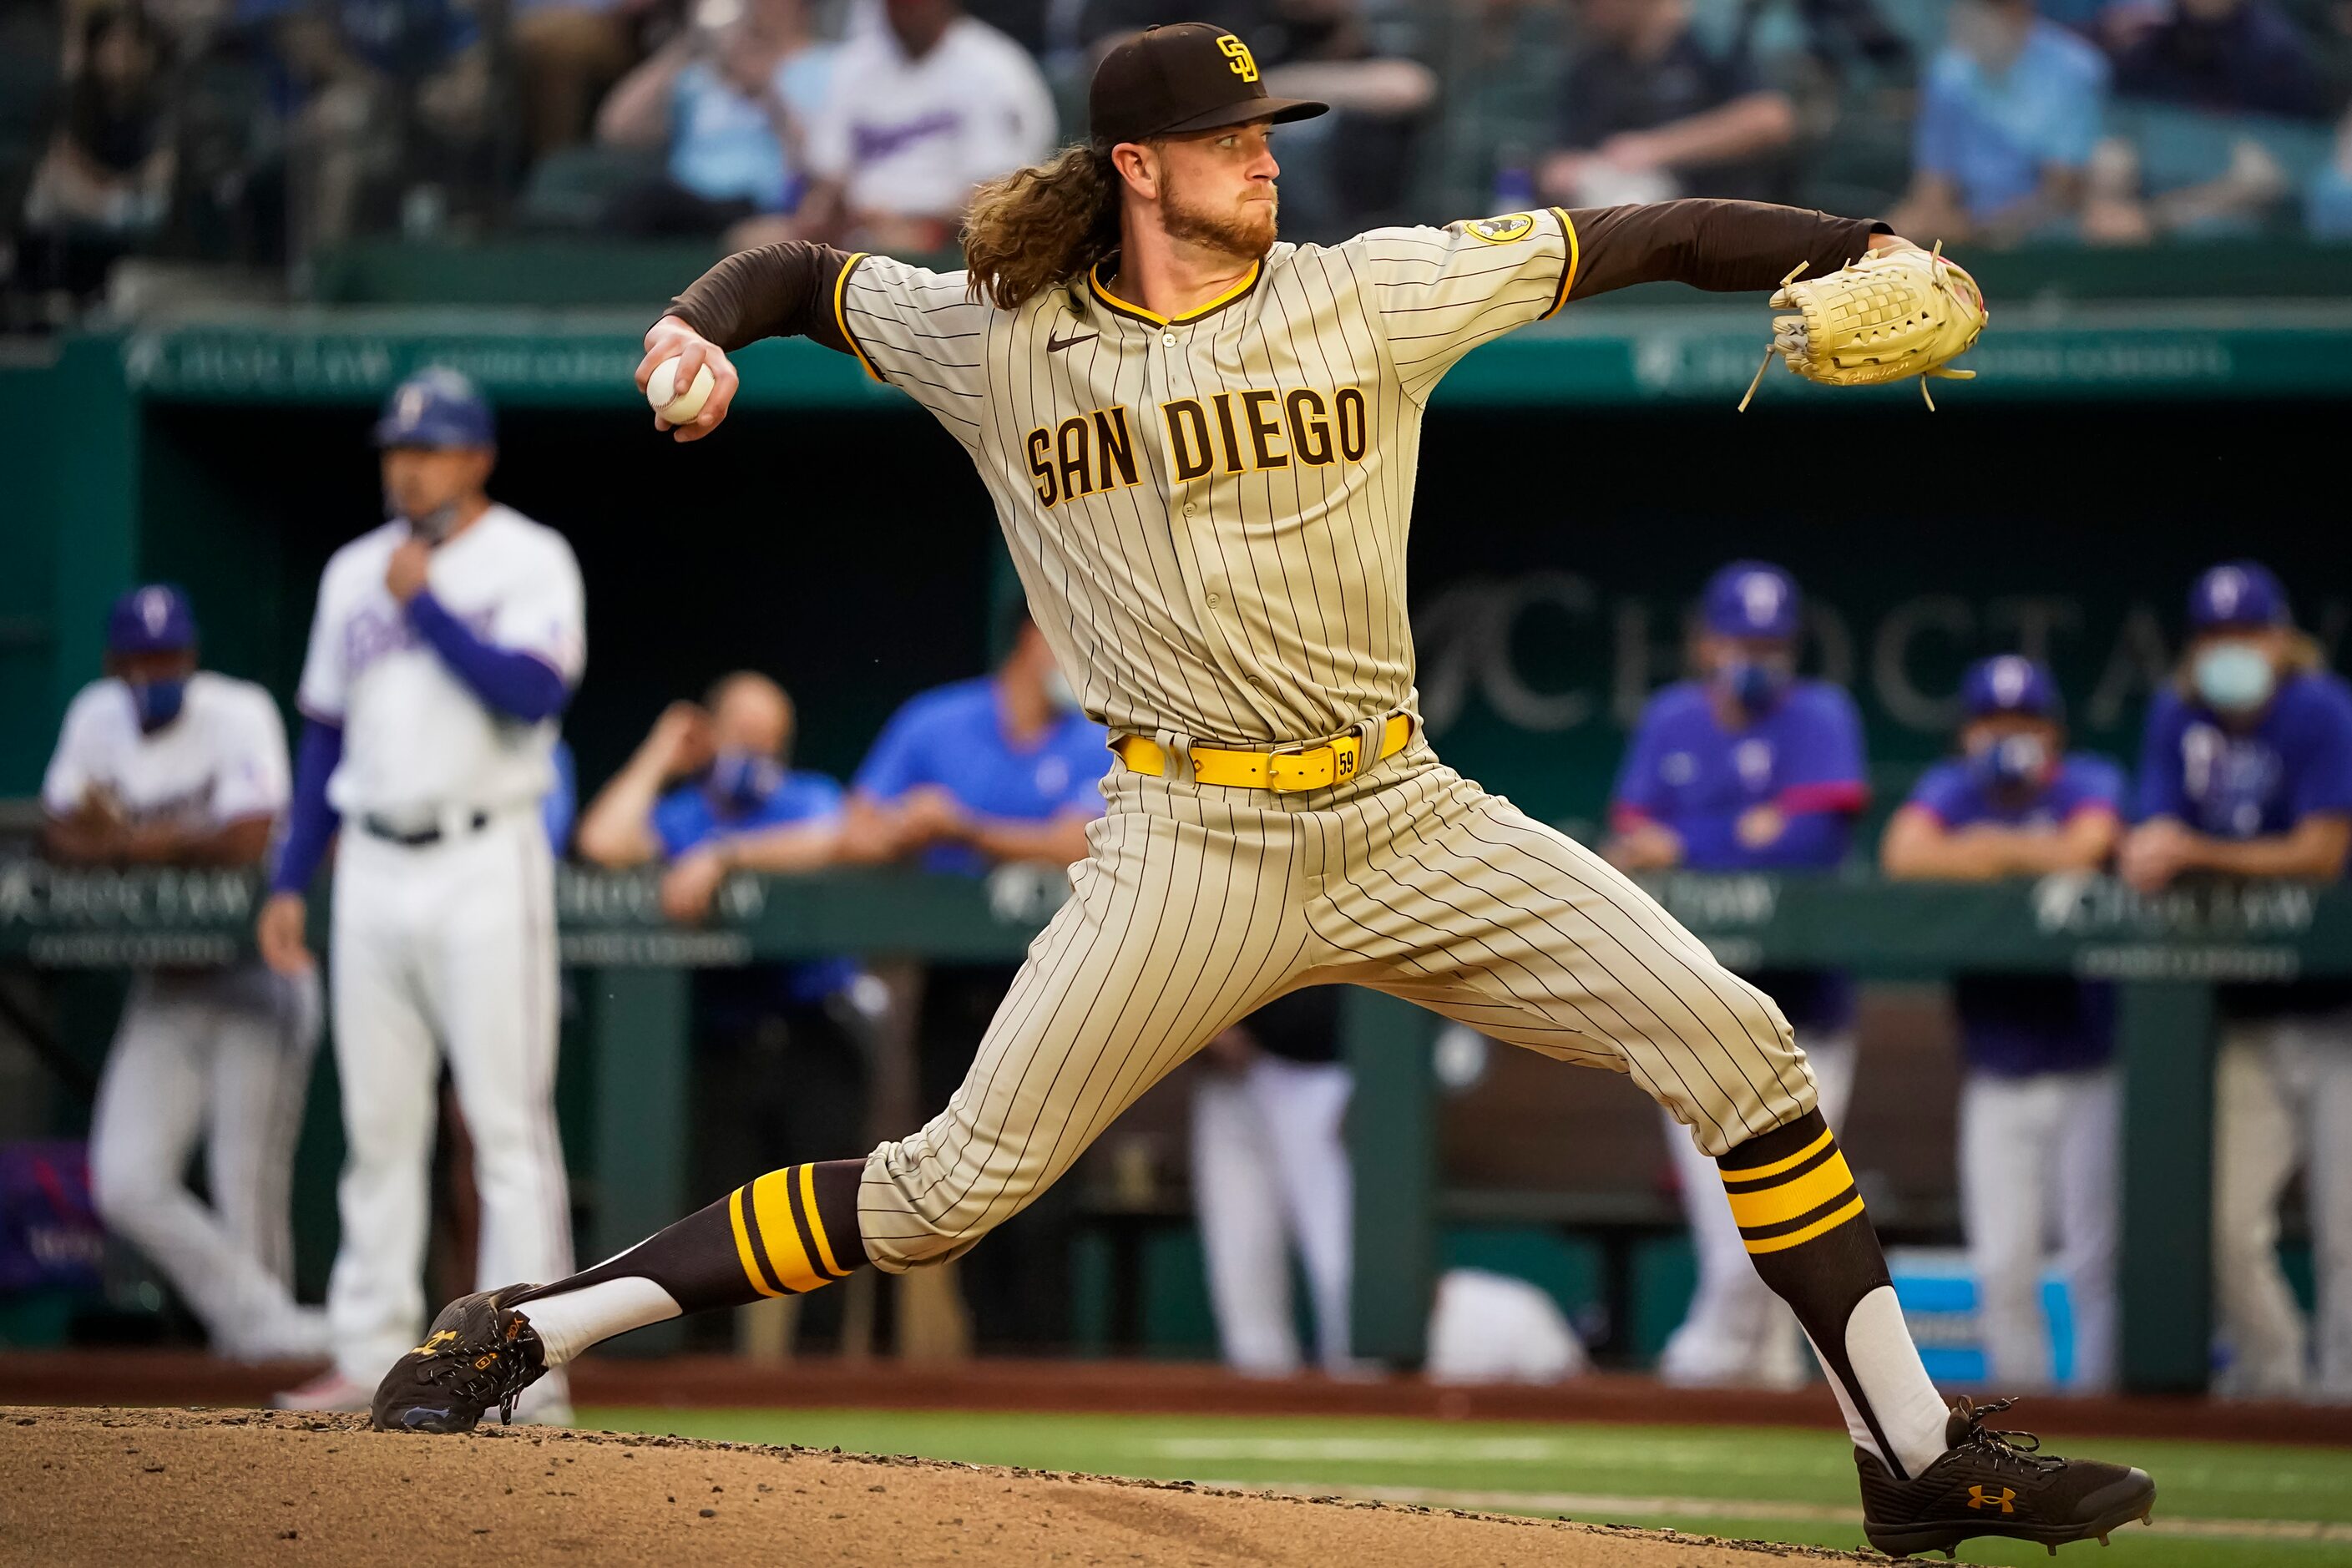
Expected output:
(222, 760)
(415, 738)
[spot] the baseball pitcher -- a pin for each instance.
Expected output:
(1200, 445)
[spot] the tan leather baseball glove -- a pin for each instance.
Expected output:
(1893, 314)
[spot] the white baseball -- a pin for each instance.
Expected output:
(675, 407)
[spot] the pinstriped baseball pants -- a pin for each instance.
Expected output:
(1199, 904)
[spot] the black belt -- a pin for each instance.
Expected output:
(418, 837)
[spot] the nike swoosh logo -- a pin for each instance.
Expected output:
(1054, 345)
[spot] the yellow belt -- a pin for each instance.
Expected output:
(1317, 766)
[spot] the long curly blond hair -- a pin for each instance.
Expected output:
(1041, 227)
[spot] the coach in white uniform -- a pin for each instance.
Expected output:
(161, 763)
(446, 643)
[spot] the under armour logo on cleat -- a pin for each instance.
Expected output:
(435, 1340)
(2006, 1501)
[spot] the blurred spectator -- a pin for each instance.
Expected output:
(1647, 113)
(1747, 767)
(983, 772)
(920, 111)
(2006, 129)
(1001, 769)
(2038, 1115)
(2246, 772)
(163, 763)
(2225, 57)
(105, 185)
(2216, 151)
(383, 86)
(730, 101)
(709, 792)
(1270, 1173)
(2331, 190)
(32, 53)
(568, 53)
(2244, 187)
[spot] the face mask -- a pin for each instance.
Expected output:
(2233, 676)
(2012, 761)
(433, 527)
(744, 780)
(1058, 692)
(1754, 684)
(158, 701)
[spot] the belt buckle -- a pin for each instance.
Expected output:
(1318, 766)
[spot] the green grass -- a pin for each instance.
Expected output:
(1631, 1475)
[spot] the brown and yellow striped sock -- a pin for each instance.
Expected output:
(1801, 1218)
(783, 1226)
(783, 1234)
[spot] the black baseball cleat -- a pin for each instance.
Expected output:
(478, 1354)
(1996, 1483)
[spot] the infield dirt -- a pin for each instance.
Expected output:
(89, 1486)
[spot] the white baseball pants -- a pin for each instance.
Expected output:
(1270, 1172)
(224, 1058)
(2282, 1102)
(1737, 1332)
(443, 952)
(2037, 1158)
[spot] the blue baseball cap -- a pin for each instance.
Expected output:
(2012, 683)
(1752, 599)
(435, 407)
(155, 617)
(2237, 593)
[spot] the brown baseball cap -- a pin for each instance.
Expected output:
(1187, 77)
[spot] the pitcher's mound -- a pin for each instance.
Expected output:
(260, 1486)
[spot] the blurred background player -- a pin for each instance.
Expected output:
(2038, 1114)
(445, 644)
(161, 763)
(999, 769)
(2246, 772)
(1270, 1173)
(786, 1048)
(1746, 768)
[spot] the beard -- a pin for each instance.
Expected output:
(1246, 231)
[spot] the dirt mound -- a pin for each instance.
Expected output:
(245, 1487)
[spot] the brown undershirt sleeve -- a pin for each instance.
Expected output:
(776, 291)
(1714, 244)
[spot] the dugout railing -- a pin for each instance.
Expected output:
(632, 970)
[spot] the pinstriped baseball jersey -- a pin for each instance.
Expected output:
(1209, 512)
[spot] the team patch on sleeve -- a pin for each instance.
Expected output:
(1500, 230)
